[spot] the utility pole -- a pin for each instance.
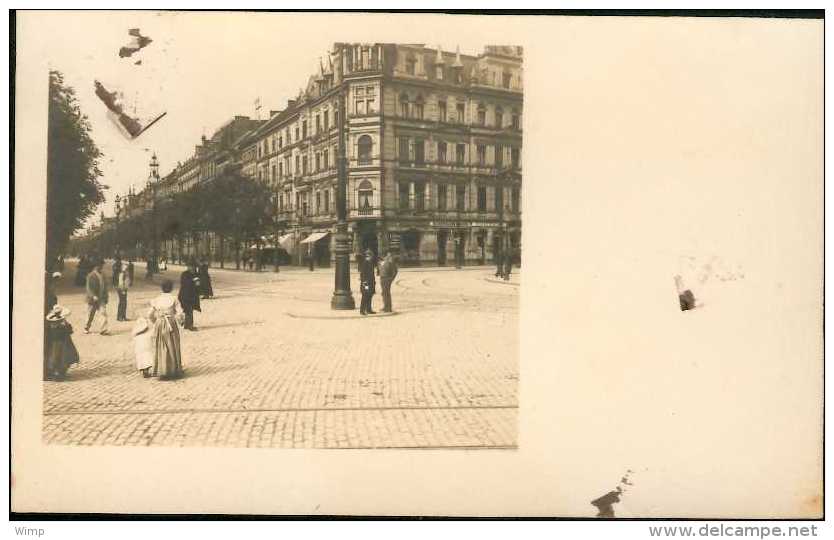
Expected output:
(342, 296)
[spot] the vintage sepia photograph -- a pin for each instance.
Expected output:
(332, 267)
(418, 264)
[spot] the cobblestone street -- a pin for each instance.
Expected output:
(273, 366)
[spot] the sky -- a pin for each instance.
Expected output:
(201, 69)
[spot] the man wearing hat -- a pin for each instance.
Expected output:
(367, 282)
(96, 297)
(189, 294)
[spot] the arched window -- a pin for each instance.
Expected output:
(365, 197)
(404, 105)
(418, 107)
(365, 146)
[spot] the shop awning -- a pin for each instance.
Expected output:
(286, 241)
(314, 237)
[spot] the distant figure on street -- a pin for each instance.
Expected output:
(189, 294)
(246, 261)
(367, 282)
(130, 270)
(163, 263)
(60, 350)
(123, 283)
(117, 269)
(81, 271)
(387, 272)
(96, 297)
(167, 362)
(508, 264)
(206, 290)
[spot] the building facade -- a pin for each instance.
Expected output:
(432, 143)
(433, 147)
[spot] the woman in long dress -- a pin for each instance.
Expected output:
(166, 336)
(60, 350)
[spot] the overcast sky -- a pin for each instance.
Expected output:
(202, 69)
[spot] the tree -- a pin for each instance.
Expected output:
(73, 189)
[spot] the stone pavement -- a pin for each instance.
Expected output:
(441, 373)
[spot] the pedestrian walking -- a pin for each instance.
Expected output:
(367, 282)
(123, 283)
(206, 290)
(60, 350)
(387, 272)
(96, 297)
(189, 295)
(167, 362)
(508, 264)
(81, 271)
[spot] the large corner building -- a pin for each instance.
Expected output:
(432, 144)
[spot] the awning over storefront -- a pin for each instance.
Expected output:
(314, 237)
(286, 241)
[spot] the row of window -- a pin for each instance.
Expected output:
(484, 204)
(443, 153)
(299, 132)
(416, 109)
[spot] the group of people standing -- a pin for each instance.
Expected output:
(157, 341)
(387, 271)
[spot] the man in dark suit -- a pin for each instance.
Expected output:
(189, 294)
(387, 273)
(367, 282)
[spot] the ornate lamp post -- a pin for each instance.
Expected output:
(153, 180)
(342, 297)
(118, 210)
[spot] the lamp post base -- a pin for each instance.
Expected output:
(342, 297)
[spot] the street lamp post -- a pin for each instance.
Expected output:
(118, 210)
(153, 181)
(342, 297)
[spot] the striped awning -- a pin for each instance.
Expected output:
(315, 237)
